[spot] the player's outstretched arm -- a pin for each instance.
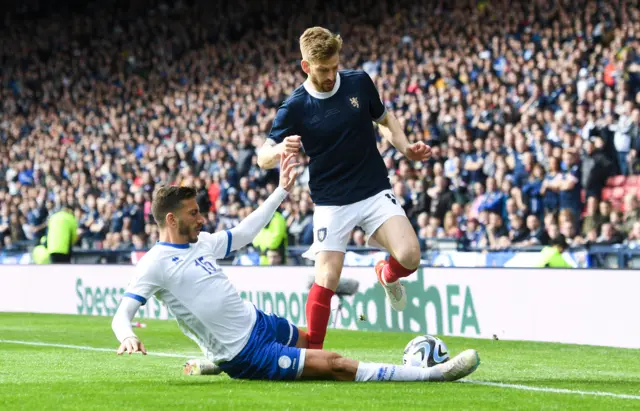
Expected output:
(282, 138)
(270, 152)
(121, 326)
(248, 229)
(391, 130)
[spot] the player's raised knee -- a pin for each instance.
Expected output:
(409, 256)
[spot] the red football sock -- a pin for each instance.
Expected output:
(318, 313)
(394, 271)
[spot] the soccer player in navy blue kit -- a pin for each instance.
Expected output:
(331, 117)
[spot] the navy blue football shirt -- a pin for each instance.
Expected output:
(337, 134)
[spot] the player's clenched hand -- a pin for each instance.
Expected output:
(131, 345)
(288, 172)
(291, 145)
(418, 152)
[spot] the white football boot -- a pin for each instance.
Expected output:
(396, 293)
(201, 367)
(459, 366)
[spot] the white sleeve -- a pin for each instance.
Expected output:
(220, 243)
(147, 281)
(248, 229)
(223, 242)
(121, 324)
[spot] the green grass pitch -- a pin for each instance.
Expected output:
(523, 375)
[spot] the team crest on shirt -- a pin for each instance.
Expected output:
(354, 102)
(322, 234)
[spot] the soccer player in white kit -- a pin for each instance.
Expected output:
(244, 342)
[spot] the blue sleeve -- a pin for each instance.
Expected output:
(535, 189)
(577, 174)
(494, 203)
(283, 125)
(376, 108)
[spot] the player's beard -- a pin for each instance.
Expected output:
(325, 86)
(328, 85)
(186, 230)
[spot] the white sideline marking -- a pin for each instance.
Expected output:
(486, 383)
(85, 348)
(553, 390)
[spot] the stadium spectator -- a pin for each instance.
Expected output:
(273, 237)
(441, 197)
(605, 212)
(596, 167)
(450, 226)
(5, 228)
(634, 236)
(459, 215)
(473, 235)
(617, 222)
(274, 257)
(552, 230)
(591, 219)
(626, 132)
(550, 186)
(478, 200)
(495, 232)
(518, 232)
(608, 235)
(551, 256)
(631, 213)
(536, 234)
(300, 224)
(62, 234)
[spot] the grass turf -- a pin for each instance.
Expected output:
(43, 377)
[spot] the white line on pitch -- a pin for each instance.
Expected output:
(85, 348)
(486, 383)
(553, 390)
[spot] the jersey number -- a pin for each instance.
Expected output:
(391, 198)
(206, 265)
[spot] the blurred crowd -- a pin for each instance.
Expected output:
(530, 106)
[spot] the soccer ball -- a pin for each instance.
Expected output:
(425, 351)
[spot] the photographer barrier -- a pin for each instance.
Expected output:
(595, 307)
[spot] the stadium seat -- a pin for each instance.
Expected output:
(633, 190)
(606, 193)
(616, 181)
(617, 205)
(633, 181)
(618, 193)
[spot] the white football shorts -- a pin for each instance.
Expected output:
(332, 225)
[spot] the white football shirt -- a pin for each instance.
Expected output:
(187, 279)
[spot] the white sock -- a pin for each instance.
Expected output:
(389, 372)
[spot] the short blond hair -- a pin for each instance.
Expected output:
(319, 44)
